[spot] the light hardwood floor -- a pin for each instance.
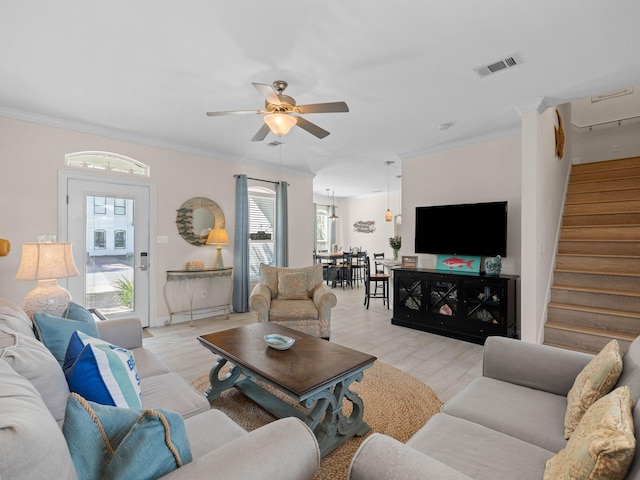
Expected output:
(445, 364)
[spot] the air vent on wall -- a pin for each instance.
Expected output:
(495, 67)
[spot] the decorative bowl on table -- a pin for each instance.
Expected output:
(279, 342)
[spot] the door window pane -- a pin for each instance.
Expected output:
(110, 273)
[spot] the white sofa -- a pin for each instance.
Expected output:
(33, 395)
(505, 424)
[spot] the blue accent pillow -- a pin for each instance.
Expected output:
(108, 442)
(55, 332)
(102, 372)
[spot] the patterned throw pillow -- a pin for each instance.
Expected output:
(594, 381)
(108, 443)
(292, 286)
(602, 445)
(101, 372)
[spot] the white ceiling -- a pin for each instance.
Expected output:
(148, 70)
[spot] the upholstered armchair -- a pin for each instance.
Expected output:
(294, 297)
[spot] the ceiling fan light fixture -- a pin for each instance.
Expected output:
(280, 123)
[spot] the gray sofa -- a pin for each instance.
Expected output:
(503, 425)
(33, 395)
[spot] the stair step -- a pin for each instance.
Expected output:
(599, 263)
(584, 338)
(601, 232)
(565, 347)
(604, 175)
(595, 247)
(607, 196)
(602, 185)
(594, 317)
(624, 300)
(630, 206)
(577, 278)
(605, 165)
(601, 219)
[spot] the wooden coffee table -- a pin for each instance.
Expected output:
(315, 372)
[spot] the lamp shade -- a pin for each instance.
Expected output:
(43, 261)
(280, 123)
(388, 216)
(218, 236)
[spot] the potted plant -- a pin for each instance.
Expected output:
(395, 242)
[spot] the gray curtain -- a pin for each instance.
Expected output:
(241, 248)
(282, 225)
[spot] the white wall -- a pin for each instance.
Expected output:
(32, 154)
(544, 180)
(602, 142)
(482, 172)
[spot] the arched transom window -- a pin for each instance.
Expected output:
(106, 162)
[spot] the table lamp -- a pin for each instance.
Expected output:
(219, 237)
(46, 262)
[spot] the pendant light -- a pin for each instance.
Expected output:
(388, 216)
(333, 216)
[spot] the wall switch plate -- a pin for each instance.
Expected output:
(163, 239)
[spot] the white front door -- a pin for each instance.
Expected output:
(107, 221)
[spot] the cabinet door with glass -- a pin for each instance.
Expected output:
(408, 294)
(485, 307)
(442, 299)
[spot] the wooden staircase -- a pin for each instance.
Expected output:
(595, 296)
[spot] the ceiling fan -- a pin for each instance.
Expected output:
(281, 112)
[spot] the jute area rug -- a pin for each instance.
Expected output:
(395, 403)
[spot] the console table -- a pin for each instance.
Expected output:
(186, 280)
(461, 305)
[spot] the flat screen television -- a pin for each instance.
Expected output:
(466, 229)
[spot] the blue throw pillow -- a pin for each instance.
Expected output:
(102, 372)
(55, 332)
(108, 442)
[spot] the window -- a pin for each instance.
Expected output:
(106, 162)
(262, 213)
(322, 228)
(99, 205)
(119, 239)
(99, 239)
(119, 207)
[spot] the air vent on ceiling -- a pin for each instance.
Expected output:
(495, 67)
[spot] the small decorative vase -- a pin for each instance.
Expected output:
(396, 253)
(493, 265)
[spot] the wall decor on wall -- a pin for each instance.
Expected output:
(364, 226)
(196, 217)
(559, 132)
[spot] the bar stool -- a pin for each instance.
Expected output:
(357, 265)
(377, 279)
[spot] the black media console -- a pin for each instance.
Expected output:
(469, 307)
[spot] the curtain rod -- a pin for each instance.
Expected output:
(261, 180)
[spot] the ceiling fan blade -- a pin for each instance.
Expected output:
(323, 107)
(233, 112)
(312, 128)
(261, 134)
(268, 93)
